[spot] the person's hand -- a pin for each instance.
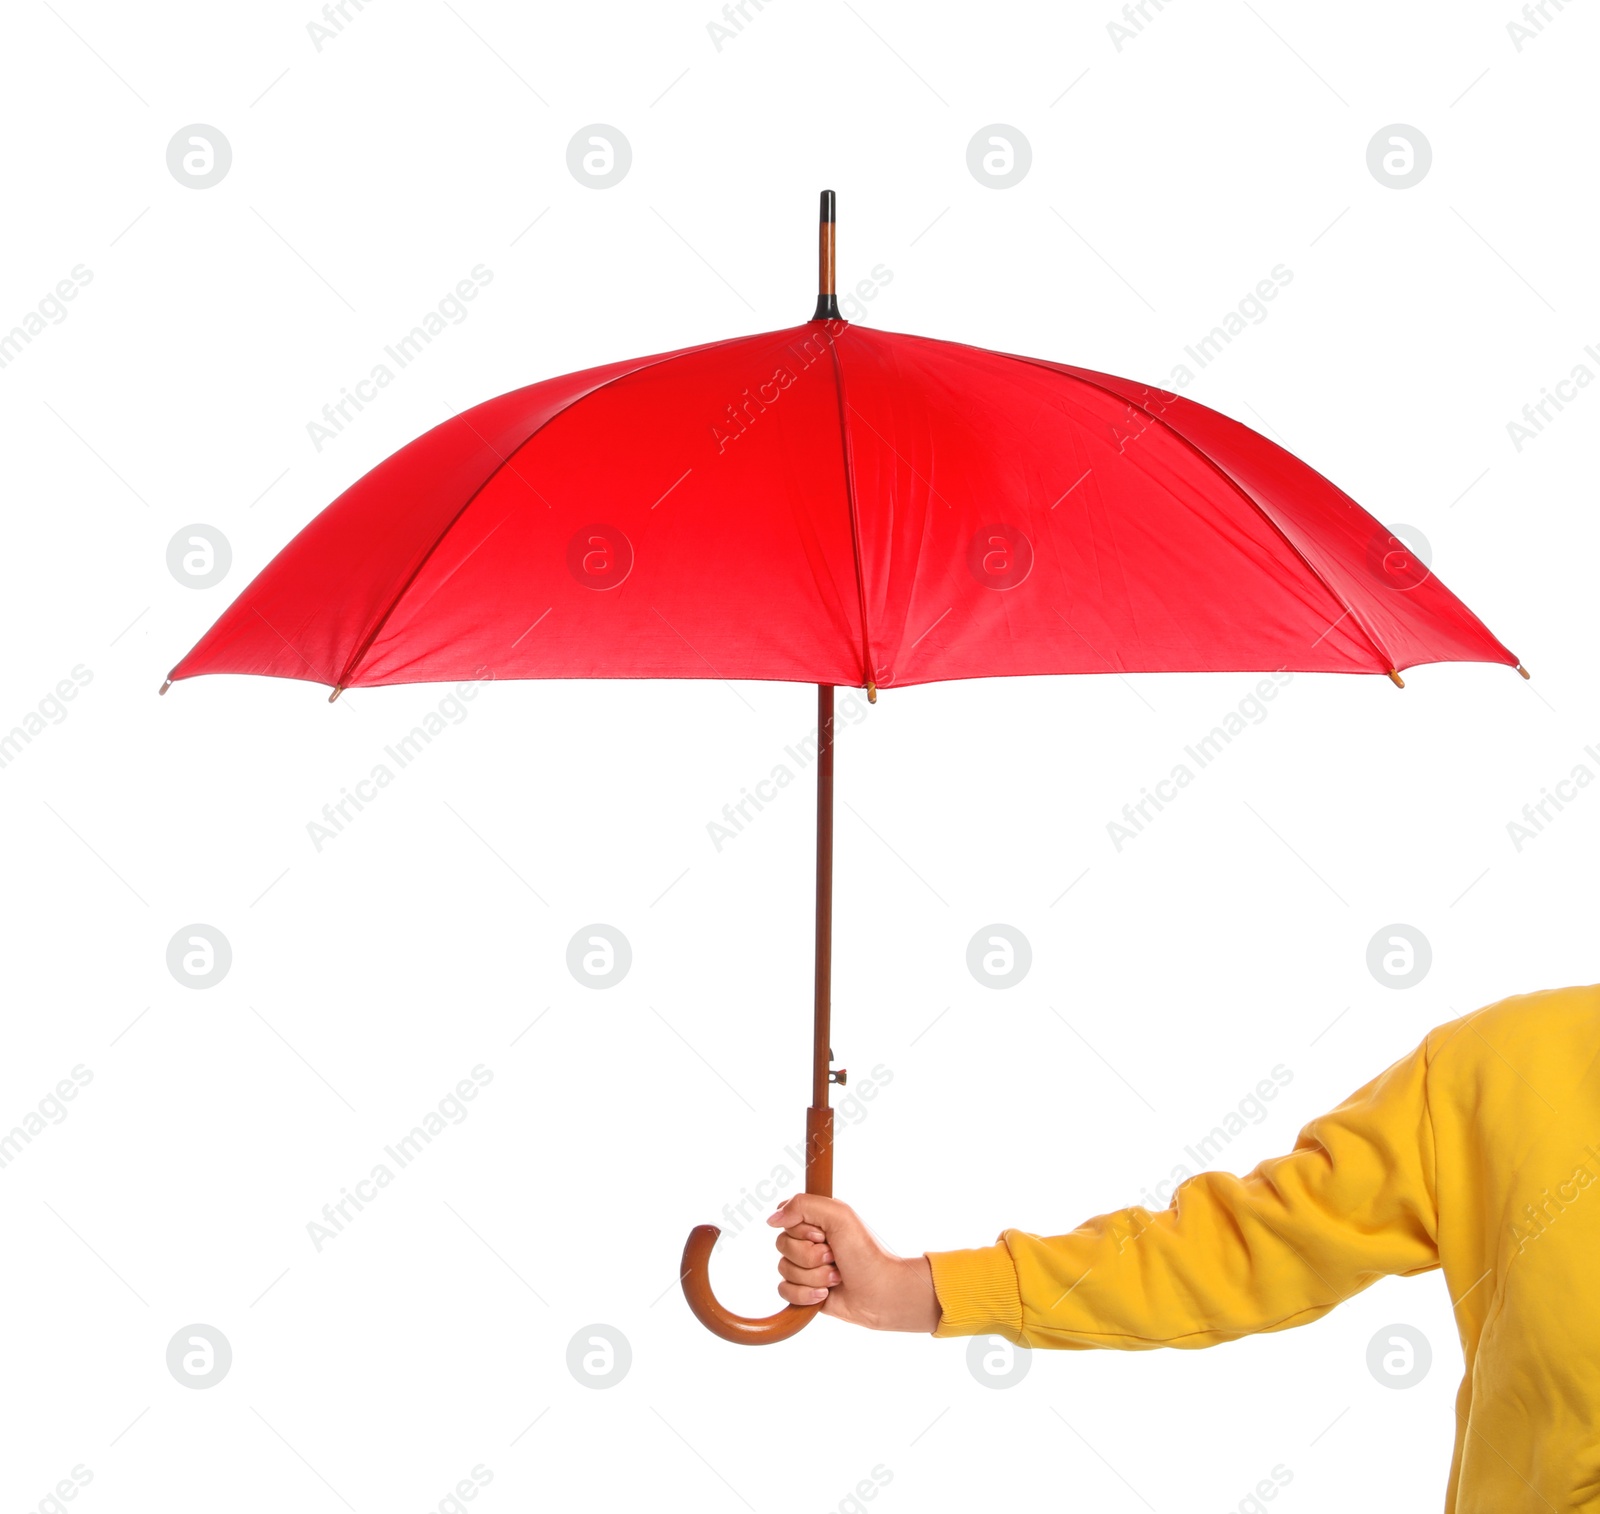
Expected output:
(830, 1257)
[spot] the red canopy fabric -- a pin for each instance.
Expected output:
(832, 504)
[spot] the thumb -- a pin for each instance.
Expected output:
(826, 1216)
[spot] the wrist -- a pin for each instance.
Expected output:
(920, 1309)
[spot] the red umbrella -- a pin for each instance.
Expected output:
(833, 505)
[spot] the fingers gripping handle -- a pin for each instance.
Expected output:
(740, 1329)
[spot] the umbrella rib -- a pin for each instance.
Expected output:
(1238, 489)
(422, 562)
(855, 529)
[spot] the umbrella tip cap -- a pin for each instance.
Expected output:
(1522, 670)
(168, 684)
(1396, 679)
(828, 205)
(337, 691)
(872, 693)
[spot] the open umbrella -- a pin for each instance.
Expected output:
(834, 505)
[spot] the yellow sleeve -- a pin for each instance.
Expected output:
(1353, 1202)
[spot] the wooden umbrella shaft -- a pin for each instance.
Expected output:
(819, 1117)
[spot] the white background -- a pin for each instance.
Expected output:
(367, 978)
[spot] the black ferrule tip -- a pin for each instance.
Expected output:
(827, 205)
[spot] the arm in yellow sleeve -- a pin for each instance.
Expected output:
(1353, 1202)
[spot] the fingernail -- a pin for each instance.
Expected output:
(833, 1277)
(818, 1294)
(827, 1256)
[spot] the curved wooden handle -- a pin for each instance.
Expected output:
(738, 1328)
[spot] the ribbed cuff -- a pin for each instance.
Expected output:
(978, 1292)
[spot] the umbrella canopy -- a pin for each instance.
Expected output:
(831, 504)
(835, 505)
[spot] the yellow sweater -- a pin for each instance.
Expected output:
(1476, 1153)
